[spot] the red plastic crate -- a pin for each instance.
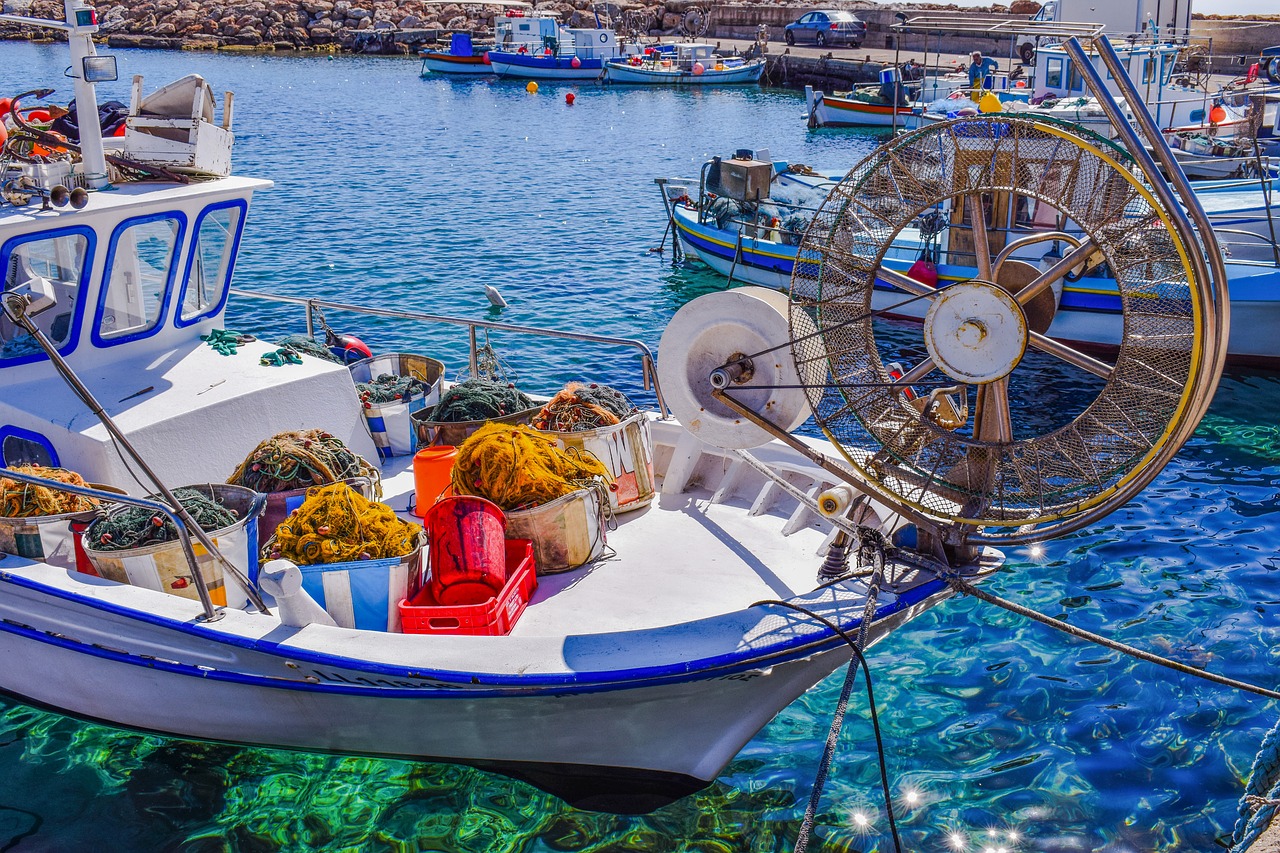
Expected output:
(492, 618)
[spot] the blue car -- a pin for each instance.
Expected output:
(827, 26)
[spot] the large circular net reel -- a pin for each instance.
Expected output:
(983, 459)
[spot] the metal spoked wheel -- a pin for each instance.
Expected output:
(1033, 460)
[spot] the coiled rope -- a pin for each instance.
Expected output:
(23, 500)
(517, 468)
(1262, 794)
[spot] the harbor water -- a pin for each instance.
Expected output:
(999, 734)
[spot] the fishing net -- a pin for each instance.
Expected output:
(22, 500)
(477, 400)
(303, 345)
(517, 468)
(580, 406)
(137, 527)
(336, 524)
(388, 388)
(300, 459)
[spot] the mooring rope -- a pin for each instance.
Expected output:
(1259, 801)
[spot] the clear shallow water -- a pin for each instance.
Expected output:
(394, 190)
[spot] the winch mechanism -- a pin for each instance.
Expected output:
(983, 418)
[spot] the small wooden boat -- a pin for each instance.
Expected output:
(684, 64)
(461, 58)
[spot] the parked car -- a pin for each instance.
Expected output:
(827, 26)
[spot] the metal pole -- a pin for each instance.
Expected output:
(15, 308)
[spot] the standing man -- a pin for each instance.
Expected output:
(978, 69)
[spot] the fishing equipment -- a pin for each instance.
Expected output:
(516, 468)
(432, 474)
(225, 341)
(300, 459)
(581, 406)
(336, 524)
(420, 613)
(392, 388)
(465, 551)
(134, 545)
(20, 500)
(469, 405)
(303, 345)
(279, 358)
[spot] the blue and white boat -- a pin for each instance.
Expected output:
(540, 48)
(684, 64)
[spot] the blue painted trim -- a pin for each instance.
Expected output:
(86, 269)
(115, 340)
(243, 206)
(573, 682)
(10, 431)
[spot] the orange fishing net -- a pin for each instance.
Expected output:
(20, 500)
(516, 468)
(336, 524)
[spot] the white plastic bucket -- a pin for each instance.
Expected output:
(394, 433)
(47, 538)
(626, 450)
(567, 532)
(163, 567)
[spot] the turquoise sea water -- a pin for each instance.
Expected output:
(394, 190)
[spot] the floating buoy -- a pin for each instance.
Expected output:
(532, 88)
(568, 98)
(485, 58)
(575, 63)
(495, 298)
(547, 52)
(990, 103)
(924, 271)
(5, 103)
(698, 68)
(38, 116)
(1217, 115)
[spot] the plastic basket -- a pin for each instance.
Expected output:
(567, 532)
(626, 450)
(163, 566)
(456, 432)
(363, 594)
(390, 423)
(495, 617)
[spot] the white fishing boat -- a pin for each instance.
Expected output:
(761, 557)
(684, 64)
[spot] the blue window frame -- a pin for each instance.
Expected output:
(212, 261)
(63, 258)
(20, 446)
(1053, 74)
(142, 262)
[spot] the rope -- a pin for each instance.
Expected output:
(579, 407)
(478, 399)
(22, 500)
(964, 586)
(137, 527)
(1258, 804)
(389, 388)
(336, 524)
(517, 468)
(303, 345)
(297, 460)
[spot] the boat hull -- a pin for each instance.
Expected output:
(532, 67)
(620, 72)
(834, 111)
(445, 63)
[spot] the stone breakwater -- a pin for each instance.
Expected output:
(367, 26)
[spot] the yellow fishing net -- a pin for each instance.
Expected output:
(336, 524)
(517, 468)
(20, 500)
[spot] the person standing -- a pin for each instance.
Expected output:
(978, 69)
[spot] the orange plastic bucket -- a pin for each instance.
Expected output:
(467, 549)
(432, 469)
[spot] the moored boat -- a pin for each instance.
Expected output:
(540, 48)
(461, 58)
(684, 64)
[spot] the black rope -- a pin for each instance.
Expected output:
(969, 589)
(858, 661)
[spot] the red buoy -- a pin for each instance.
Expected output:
(568, 98)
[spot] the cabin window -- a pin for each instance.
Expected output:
(53, 265)
(140, 271)
(204, 290)
(20, 446)
(1148, 70)
(1075, 80)
(1053, 74)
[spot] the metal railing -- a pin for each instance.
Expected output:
(648, 363)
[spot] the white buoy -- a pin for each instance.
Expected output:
(495, 298)
(835, 500)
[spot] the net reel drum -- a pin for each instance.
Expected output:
(1039, 436)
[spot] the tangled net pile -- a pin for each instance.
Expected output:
(479, 400)
(336, 524)
(137, 527)
(580, 407)
(389, 388)
(517, 468)
(21, 500)
(297, 460)
(303, 345)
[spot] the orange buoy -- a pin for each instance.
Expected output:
(5, 104)
(1217, 115)
(532, 88)
(37, 115)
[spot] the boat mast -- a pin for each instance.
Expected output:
(80, 25)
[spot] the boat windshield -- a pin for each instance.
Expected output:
(50, 267)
